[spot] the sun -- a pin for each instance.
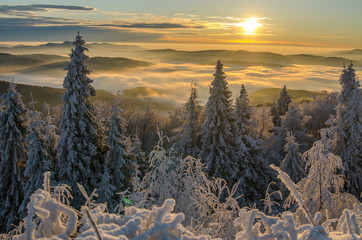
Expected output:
(250, 25)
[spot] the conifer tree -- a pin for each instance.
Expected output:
(12, 121)
(147, 131)
(118, 167)
(218, 136)
(293, 163)
(79, 146)
(280, 107)
(283, 101)
(189, 142)
(37, 162)
(139, 157)
(347, 130)
(50, 141)
(274, 112)
(253, 170)
(243, 112)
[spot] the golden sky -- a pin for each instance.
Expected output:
(307, 23)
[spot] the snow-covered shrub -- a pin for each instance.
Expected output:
(255, 225)
(350, 222)
(294, 192)
(160, 183)
(215, 206)
(269, 198)
(140, 224)
(321, 188)
(51, 215)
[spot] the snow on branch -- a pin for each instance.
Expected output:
(293, 190)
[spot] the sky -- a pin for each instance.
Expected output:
(312, 23)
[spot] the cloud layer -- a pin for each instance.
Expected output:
(174, 79)
(14, 9)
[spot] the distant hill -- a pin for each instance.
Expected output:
(138, 97)
(97, 65)
(96, 49)
(244, 58)
(268, 95)
(53, 65)
(17, 63)
(354, 54)
(52, 96)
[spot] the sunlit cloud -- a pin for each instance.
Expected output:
(291, 43)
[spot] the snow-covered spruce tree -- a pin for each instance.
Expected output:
(283, 101)
(218, 131)
(274, 112)
(50, 141)
(347, 130)
(12, 162)
(243, 112)
(80, 152)
(189, 142)
(253, 169)
(280, 107)
(293, 163)
(37, 163)
(146, 127)
(118, 167)
(139, 157)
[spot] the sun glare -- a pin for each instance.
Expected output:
(250, 25)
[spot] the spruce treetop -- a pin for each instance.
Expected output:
(78, 70)
(243, 112)
(219, 85)
(284, 101)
